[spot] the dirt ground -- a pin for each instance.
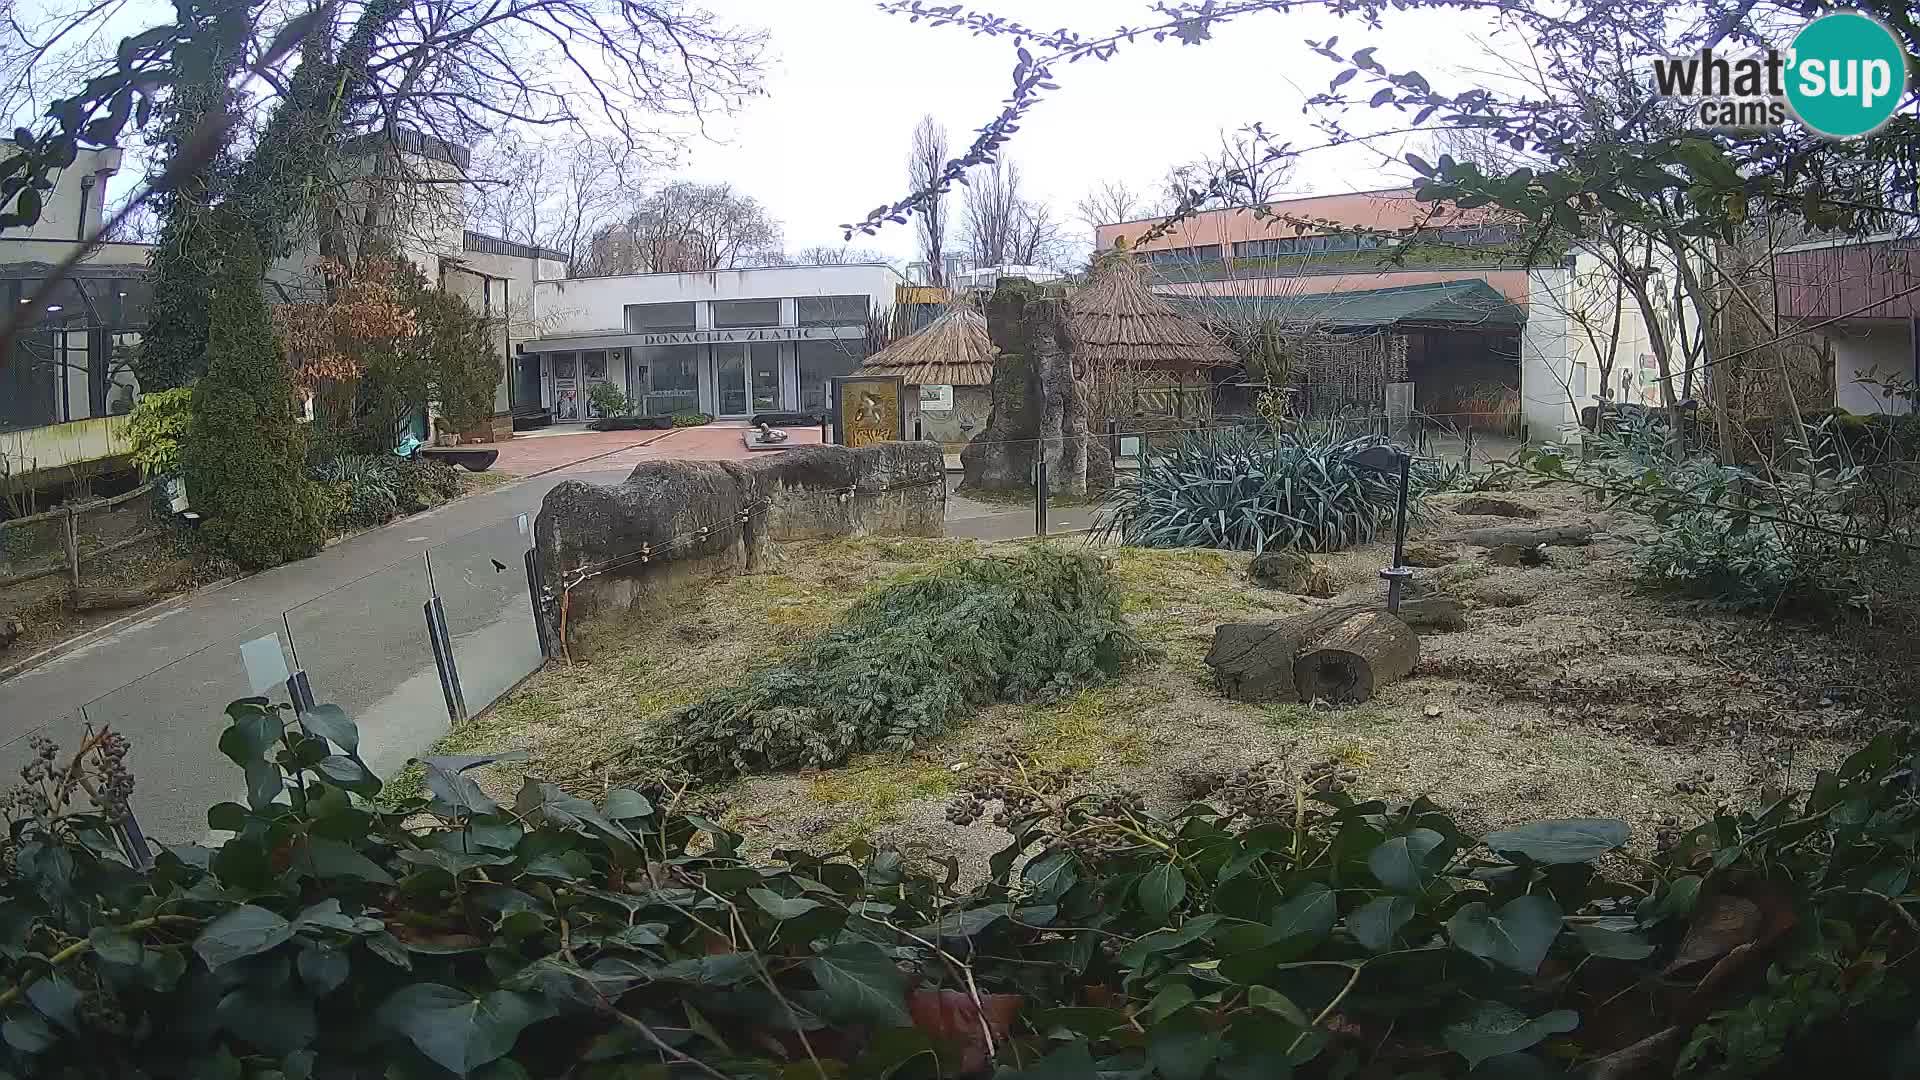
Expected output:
(1569, 693)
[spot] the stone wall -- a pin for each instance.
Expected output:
(609, 551)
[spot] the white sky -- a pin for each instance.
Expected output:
(847, 83)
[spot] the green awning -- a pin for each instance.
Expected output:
(1461, 304)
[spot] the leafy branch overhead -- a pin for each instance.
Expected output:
(1269, 930)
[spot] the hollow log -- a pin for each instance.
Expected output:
(1340, 655)
(1524, 536)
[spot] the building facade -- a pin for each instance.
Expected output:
(1862, 297)
(727, 343)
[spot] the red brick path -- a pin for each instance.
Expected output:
(603, 451)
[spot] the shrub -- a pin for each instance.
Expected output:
(607, 400)
(691, 419)
(366, 485)
(372, 489)
(1253, 490)
(155, 427)
(244, 456)
(460, 354)
(907, 661)
(1280, 928)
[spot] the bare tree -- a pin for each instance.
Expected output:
(1003, 227)
(924, 162)
(556, 193)
(836, 255)
(686, 227)
(1109, 202)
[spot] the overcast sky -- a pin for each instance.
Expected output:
(828, 140)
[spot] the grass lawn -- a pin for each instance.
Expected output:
(1568, 694)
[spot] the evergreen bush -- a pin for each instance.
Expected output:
(245, 456)
(155, 428)
(1281, 927)
(904, 663)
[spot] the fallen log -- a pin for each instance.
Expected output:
(1339, 655)
(1526, 536)
(102, 599)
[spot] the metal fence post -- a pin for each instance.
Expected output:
(73, 550)
(1113, 438)
(534, 597)
(443, 659)
(300, 691)
(1040, 490)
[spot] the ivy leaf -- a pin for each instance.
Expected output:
(1374, 923)
(1612, 944)
(1517, 936)
(456, 1030)
(859, 983)
(1310, 914)
(275, 1021)
(240, 933)
(780, 907)
(323, 969)
(455, 788)
(1162, 889)
(1562, 840)
(623, 803)
(1495, 1029)
(330, 722)
(325, 858)
(116, 946)
(1181, 1048)
(27, 1033)
(1400, 863)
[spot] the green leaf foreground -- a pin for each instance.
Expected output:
(451, 935)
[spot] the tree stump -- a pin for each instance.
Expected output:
(10, 631)
(1340, 655)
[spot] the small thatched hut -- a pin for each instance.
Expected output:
(952, 352)
(1137, 353)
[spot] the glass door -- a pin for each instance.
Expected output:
(730, 378)
(566, 388)
(593, 369)
(764, 368)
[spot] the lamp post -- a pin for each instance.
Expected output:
(1389, 459)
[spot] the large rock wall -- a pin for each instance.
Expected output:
(608, 551)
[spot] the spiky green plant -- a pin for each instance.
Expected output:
(1253, 490)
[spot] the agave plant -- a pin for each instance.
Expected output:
(1250, 490)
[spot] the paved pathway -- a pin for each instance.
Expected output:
(352, 617)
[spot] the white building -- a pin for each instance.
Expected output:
(728, 343)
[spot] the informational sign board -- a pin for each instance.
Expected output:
(936, 399)
(867, 409)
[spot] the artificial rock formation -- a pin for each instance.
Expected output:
(1038, 404)
(609, 551)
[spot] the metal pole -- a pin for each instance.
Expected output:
(826, 429)
(443, 660)
(300, 691)
(1396, 574)
(73, 550)
(916, 429)
(1040, 491)
(539, 609)
(1113, 438)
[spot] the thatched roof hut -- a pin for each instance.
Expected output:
(952, 350)
(1119, 323)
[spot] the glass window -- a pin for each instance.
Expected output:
(736, 313)
(820, 361)
(833, 310)
(666, 379)
(659, 318)
(763, 369)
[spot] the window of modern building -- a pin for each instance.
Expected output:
(820, 361)
(665, 379)
(729, 314)
(833, 310)
(1183, 256)
(659, 318)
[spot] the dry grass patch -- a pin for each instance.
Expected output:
(1588, 698)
